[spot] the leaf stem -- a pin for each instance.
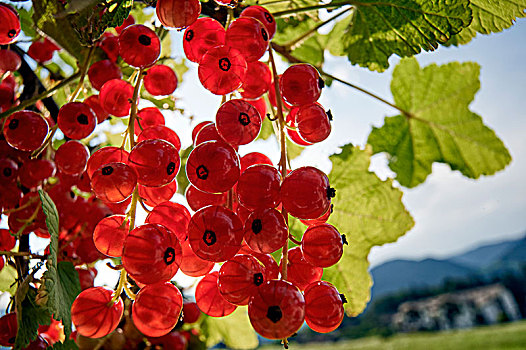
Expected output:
(293, 239)
(306, 9)
(133, 113)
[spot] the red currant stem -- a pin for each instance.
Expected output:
(23, 254)
(27, 204)
(28, 222)
(307, 8)
(83, 71)
(295, 128)
(120, 287)
(293, 239)
(47, 141)
(129, 292)
(133, 208)
(143, 205)
(230, 17)
(230, 199)
(133, 113)
(291, 45)
(116, 267)
(41, 96)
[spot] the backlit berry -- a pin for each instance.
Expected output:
(160, 80)
(238, 122)
(155, 161)
(76, 120)
(323, 307)
(222, 70)
(25, 130)
(201, 36)
(139, 46)
(301, 84)
(208, 298)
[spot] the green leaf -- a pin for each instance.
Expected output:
(440, 127)
(293, 150)
(266, 129)
(7, 279)
(234, 330)
(369, 212)
(30, 317)
(490, 16)
(61, 283)
(167, 102)
(117, 12)
(378, 29)
(26, 22)
(67, 345)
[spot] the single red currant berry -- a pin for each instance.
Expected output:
(8, 324)
(9, 61)
(178, 13)
(7, 96)
(102, 71)
(277, 310)
(201, 36)
(94, 314)
(198, 128)
(321, 220)
(160, 132)
(191, 312)
(173, 340)
(86, 277)
(257, 80)
(306, 194)
(157, 308)
(160, 80)
(93, 102)
(152, 196)
(207, 133)
(109, 235)
(71, 157)
(127, 22)
(105, 155)
(25, 130)
(301, 84)
(293, 135)
(192, 265)
(139, 46)
(40, 51)
(259, 187)
(238, 122)
(7, 241)
(222, 70)
(110, 45)
(213, 167)
(215, 233)
(147, 117)
(151, 254)
(10, 195)
(114, 182)
(9, 24)
(322, 245)
(174, 216)
(254, 158)
(299, 271)
(323, 307)
(266, 231)
(115, 96)
(263, 15)
(313, 123)
(76, 120)
(239, 278)
(249, 36)
(8, 171)
(155, 161)
(208, 298)
(34, 171)
(198, 199)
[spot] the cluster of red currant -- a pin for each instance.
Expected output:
(241, 204)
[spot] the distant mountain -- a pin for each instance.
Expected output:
(399, 275)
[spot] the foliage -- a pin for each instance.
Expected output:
(227, 330)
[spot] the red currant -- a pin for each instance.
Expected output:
(115, 96)
(8, 171)
(139, 46)
(192, 265)
(222, 70)
(208, 298)
(249, 36)
(76, 120)
(8, 324)
(201, 36)
(7, 241)
(160, 80)
(155, 161)
(178, 13)
(9, 61)
(110, 45)
(238, 122)
(313, 123)
(239, 278)
(102, 71)
(160, 132)
(72, 157)
(93, 102)
(174, 216)
(299, 271)
(9, 24)
(114, 182)
(105, 155)
(25, 130)
(147, 117)
(322, 245)
(266, 231)
(198, 128)
(109, 235)
(257, 80)
(207, 133)
(34, 171)
(254, 158)
(153, 196)
(301, 84)
(191, 312)
(127, 22)
(263, 15)
(323, 307)
(198, 199)
(259, 187)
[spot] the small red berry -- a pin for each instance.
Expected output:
(109, 235)
(155, 161)
(139, 46)
(115, 96)
(71, 157)
(201, 36)
(208, 298)
(160, 80)
(178, 13)
(301, 84)
(266, 231)
(249, 36)
(222, 70)
(323, 307)
(25, 130)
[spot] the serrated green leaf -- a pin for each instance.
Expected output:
(376, 30)
(490, 16)
(234, 330)
(266, 129)
(26, 23)
(440, 127)
(7, 279)
(50, 210)
(30, 317)
(117, 12)
(369, 212)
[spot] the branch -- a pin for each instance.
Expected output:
(306, 9)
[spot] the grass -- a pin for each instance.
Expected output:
(510, 336)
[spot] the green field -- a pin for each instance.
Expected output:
(507, 336)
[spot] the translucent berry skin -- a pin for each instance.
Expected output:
(322, 245)
(157, 308)
(72, 157)
(321, 220)
(313, 123)
(213, 167)
(114, 182)
(109, 235)
(9, 61)
(305, 193)
(8, 328)
(93, 102)
(147, 117)
(249, 36)
(25, 130)
(33, 172)
(110, 45)
(191, 312)
(160, 132)
(207, 133)
(257, 80)
(323, 307)
(299, 271)
(177, 13)
(92, 313)
(174, 340)
(115, 96)
(153, 196)
(198, 199)
(160, 80)
(8, 171)
(9, 25)
(300, 84)
(201, 36)
(40, 51)
(155, 161)
(215, 233)
(102, 71)
(105, 155)
(269, 264)
(208, 298)
(258, 187)
(7, 242)
(192, 265)
(76, 120)
(239, 278)
(238, 122)
(127, 22)
(198, 128)
(263, 15)
(152, 254)
(139, 46)
(173, 216)
(277, 310)
(222, 70)
(266, 231)
(254, 158)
